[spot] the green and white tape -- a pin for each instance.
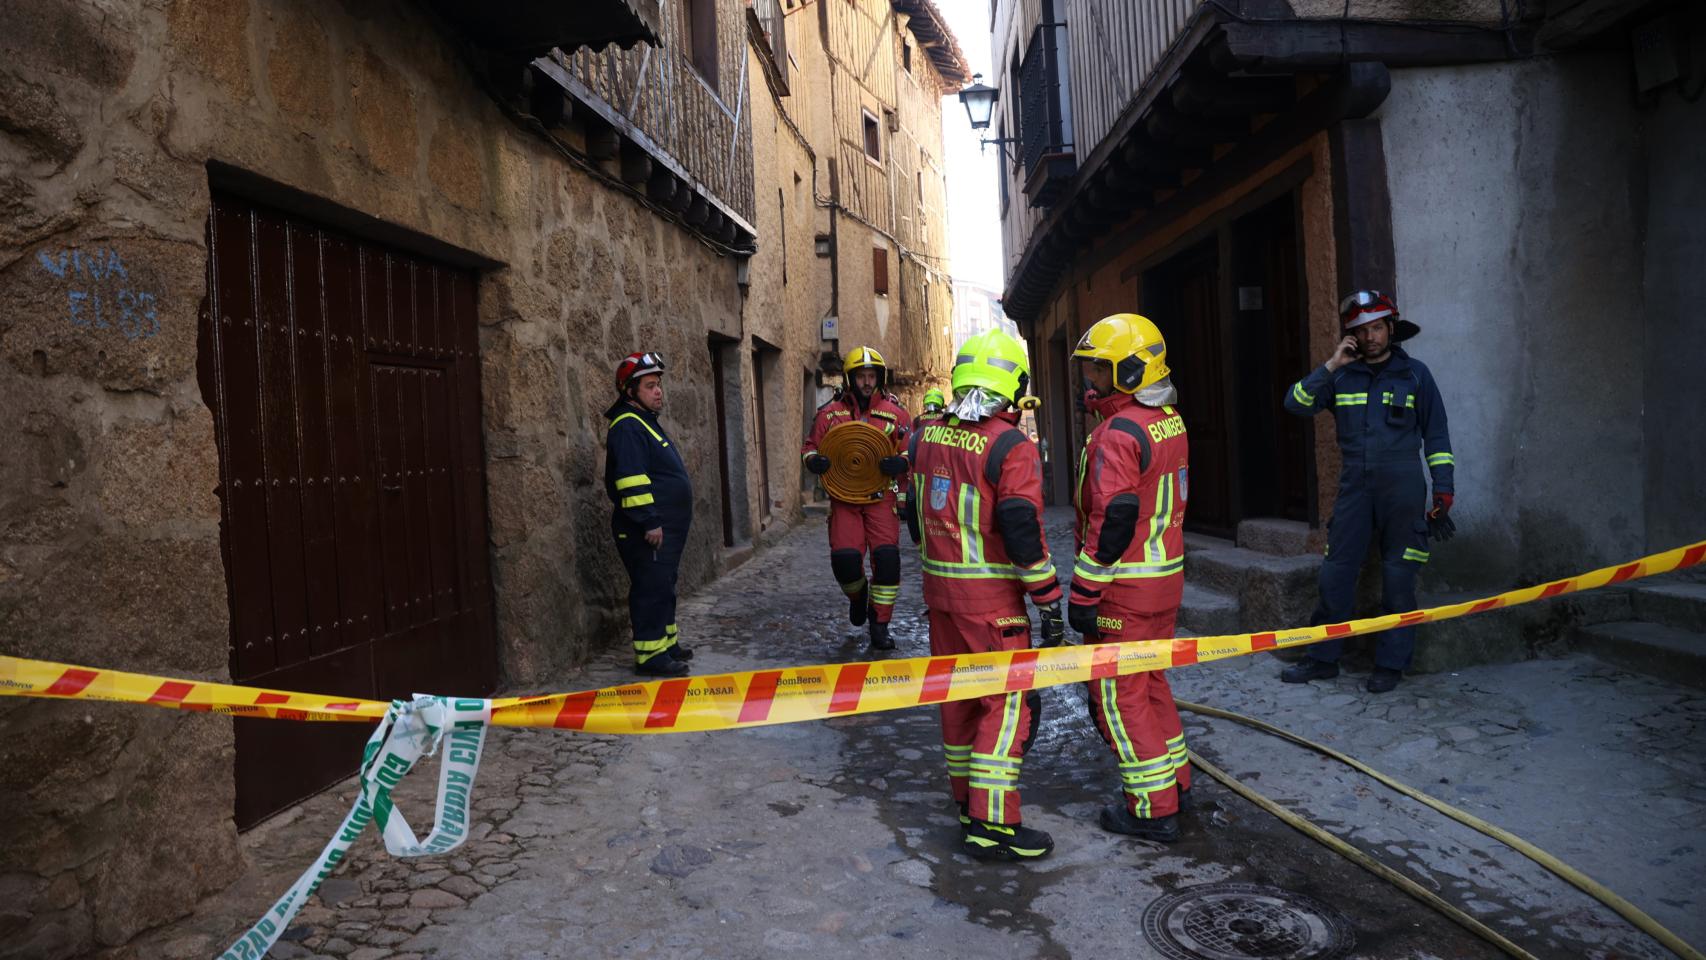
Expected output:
(409, 731)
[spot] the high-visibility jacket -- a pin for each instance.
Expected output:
(1383, 418)
(644, 476)
(1133, 481)
(976, 507)
(884, 412)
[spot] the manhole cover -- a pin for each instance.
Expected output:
(1236, 921)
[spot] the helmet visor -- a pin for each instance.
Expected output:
(1359, 300)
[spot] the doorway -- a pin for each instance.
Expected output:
(728, 401)
(1058, 448)
(1182, 296)
(1275, 465)
(1231, 306)
(343, 377)
(765, 361)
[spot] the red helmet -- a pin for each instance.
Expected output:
(1367, 306)
(636, 365)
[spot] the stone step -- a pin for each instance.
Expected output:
(1657, 650)
(1207, 613)
(1509, 634)
(1203, 541)
(1272, 592)
(1676, 604)
(1282, 538)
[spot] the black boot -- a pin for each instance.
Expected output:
(1383, 679)
(1004, 841)
(858, 608)
(679, 652)
(880, 639)
(662, 665)
(1309, 669)
(1117, 819)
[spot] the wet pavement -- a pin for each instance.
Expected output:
(837, 839)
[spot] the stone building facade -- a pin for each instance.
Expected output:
(289, 281)
(1498, 168)
(868, 100)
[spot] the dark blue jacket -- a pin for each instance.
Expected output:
(643, 474)
(1384, 418)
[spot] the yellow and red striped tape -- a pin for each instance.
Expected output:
(791, 694)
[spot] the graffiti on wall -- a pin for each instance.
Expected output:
(99, 294)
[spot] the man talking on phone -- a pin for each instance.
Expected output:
(1390, 421)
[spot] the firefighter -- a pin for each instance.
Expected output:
(977, 505)
(933, 404)
(1387, 407)
(653, 498)
(1130, 571)
(872, 526)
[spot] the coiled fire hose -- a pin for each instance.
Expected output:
(854, 450)
(1576, 878)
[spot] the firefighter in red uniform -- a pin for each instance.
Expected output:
(1129, 575)
(976, 508)
(872, 526)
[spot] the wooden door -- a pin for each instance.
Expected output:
(1272, 449)
(1295, 453)
(344, 382)
(1182, 297)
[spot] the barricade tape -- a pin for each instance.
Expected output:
(407, 732)
(795, 694)
(411, 730)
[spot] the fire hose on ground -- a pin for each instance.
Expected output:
(1576, 878)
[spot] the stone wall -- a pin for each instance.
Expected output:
(790, 291)
(1673, 135)
(1516, 228)
(118, 818)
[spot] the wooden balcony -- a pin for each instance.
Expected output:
(1170, 101)
(528, 28)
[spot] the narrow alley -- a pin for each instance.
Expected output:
(836, 839)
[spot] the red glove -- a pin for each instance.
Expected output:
(1442, 504)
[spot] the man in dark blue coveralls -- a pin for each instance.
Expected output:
(1386, 406)
(648, 484)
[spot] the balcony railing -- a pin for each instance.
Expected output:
(1045, 115)
(770, 17)
(1045, 123)
(525, 28)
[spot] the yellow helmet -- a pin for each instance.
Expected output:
(995, 361)
(1132, 344)
(933, 400)
(860, 358)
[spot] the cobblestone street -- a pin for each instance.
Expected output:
(836, 839)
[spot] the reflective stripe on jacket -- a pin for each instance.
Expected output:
(1384, 417)
(643, 473)
(962, 474)
(1133, 481)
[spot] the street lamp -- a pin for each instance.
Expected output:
(979, 100)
